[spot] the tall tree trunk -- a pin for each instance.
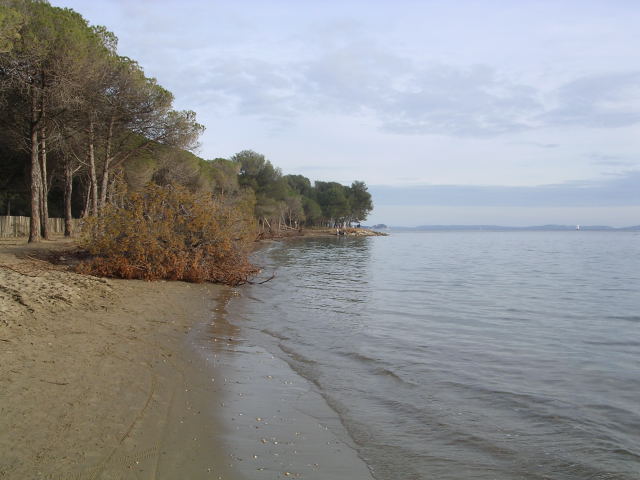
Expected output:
(105, 170)
(44, 191)
(92, 170)
(68, 191)
(113, 187)
(87, 203)
(36, 177)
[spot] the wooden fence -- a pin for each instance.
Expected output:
(19, 226)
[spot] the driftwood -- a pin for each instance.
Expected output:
(263, 281)
(55, 383)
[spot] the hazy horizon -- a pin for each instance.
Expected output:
(471, 226)
(463, 97)
(506, 217)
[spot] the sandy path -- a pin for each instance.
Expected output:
(96, 381)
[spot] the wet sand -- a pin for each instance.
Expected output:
(275, 422)
(113, 379)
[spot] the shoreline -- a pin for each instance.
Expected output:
(104, 378)
(323, 232)
(278, 425)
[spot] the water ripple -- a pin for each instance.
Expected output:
(491, 355)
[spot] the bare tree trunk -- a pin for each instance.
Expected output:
(92, 170)
(105, 170)
(87, 203)
(111, 197)
(68, 191)
(36, 178)
(44, 191)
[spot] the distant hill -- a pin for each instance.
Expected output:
(498, 228)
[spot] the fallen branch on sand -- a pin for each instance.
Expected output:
(55, 383)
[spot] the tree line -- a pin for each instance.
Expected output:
(82, 127)
(292, 201)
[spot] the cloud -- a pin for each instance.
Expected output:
(618, 190)
(597, 101)
(338, 67)
(421, 69)
(403, 97)
(472, 101)
(242, 86)
(537, 144)
(609, 160)
(408, 98)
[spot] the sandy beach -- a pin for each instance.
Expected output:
(114, 379)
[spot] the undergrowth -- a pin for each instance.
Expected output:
(170, 233)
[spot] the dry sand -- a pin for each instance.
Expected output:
(114, 379)
(95, 381)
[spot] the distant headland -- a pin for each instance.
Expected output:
(499, 228)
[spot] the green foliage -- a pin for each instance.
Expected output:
(170, 233)
(292, 200)
(312, 211)
(332, 198)
(258, 173)
(48, 39)
(224, 175)
(10, 23)
(300, 184)
(359, 201)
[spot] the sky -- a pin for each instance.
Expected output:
(469, 112)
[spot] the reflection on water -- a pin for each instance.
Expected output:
(473, 355)
(223, 334)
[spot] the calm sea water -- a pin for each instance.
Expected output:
(466, 355)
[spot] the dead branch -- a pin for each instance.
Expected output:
(55, 383)
(263, 281)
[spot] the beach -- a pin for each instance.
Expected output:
(103, 378)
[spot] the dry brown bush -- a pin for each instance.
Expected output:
(170, 233)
